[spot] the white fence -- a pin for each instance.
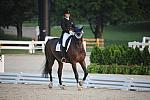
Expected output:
(140, 45)
(1, 63)
(93, 81)
(146, 39)
(25, 45)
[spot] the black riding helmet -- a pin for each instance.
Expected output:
(66, 12)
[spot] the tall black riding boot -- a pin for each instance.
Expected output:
(63, 59)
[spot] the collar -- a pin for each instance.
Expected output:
(67, 18)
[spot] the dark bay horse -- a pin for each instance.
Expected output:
(75, 54)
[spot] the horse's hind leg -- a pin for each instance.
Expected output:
(50, 64)
(83, 65)
(60, 74)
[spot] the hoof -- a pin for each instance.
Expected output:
(50, 85)
(62, 87)
(81, 83)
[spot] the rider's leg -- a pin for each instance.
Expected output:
(64, 39)
(63, 59)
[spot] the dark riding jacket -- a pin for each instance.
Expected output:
(67, 25)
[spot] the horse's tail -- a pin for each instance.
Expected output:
(49, 57)
(46, 69)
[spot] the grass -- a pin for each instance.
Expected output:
(123, 33)
(13, 51)
(20, 52)
(12, 37)
(30, 23)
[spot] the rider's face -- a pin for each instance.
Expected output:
(67, 15)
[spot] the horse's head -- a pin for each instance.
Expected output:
(78, 32)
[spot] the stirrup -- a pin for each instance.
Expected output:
(63, 59)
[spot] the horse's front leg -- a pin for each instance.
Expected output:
(83, 65)
(76, 75)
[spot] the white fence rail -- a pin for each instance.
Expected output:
(140, 45)
(146, 39)
(93, 81)
(1, 63)
(25, 45)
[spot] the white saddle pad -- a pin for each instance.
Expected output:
(58, 45)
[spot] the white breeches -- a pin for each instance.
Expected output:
(64, 39)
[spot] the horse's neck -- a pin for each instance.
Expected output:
(77, 43)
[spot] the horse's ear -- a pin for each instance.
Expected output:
(81, 28)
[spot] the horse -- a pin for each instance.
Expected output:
(75, 54)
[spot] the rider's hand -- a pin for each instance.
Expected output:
(71, 32)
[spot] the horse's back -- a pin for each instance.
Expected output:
(52, 41)
(51, 44)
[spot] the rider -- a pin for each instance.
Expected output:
(68, 27)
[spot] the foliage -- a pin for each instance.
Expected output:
(100, 13)
(109, 11)
(96, 55)
(136, 57)
(120, 55)
(145, 6)
(59, 6)
(146, 56)
(15, 12)
(119, 69)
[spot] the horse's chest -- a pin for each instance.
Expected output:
(77, 54)
(80, 56)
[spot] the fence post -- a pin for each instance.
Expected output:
(134, 44)
(1, 63)
(33, 46)
(30, 48)
(84, 45)
(0, 46)
(149, 46)
(98, 41)
(43, 47)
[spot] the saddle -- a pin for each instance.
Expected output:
(67, 44)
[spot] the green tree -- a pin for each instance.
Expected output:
(144, 5)
(132, 11)
(59, 6)
(15, 12)
(102, 12)
(5, 10)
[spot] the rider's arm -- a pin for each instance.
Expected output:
(64, 28)
(73, 25)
